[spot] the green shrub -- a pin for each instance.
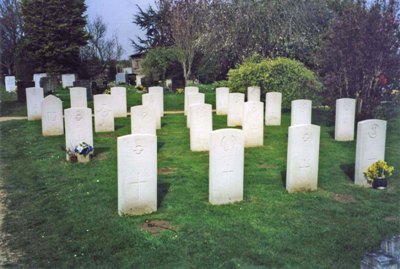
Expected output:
(290, 77)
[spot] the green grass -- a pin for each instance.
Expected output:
(64, 215)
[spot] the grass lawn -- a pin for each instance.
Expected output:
(64, 215)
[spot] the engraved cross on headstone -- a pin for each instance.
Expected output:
(136, 181)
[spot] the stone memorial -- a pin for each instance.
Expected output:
(345, 119)
(301, 112)
(52, 116)
(222, 96)
(168, 83)
(159, 91)
(103, 113)
(226, 166)
(391, 246)
(235, 109)
(379, 260)
(37, 77)
(34, 98)
(127, 70)
(253, 94)
(119, 102)
(370, 147)
(78, 127)
(78, 97)
(201, 126)
(302, 158)
(49, 83)
(120, 78)
(137, 174)
(189, 90)
(139, 79)
(151, 100)
(143, 120)
(273, 108)
(10, 83)
(253, 124)
(68, 80)
(193, 99)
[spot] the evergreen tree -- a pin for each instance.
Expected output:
(54, 31)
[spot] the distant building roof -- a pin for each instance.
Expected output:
(137, 55)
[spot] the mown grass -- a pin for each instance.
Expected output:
(64, 215)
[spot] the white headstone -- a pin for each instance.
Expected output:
(120, 78)
(253, 94)
(128, 70)
(103, 113)
(139, 79)
(168, 83)
(68, 80)
(143, 120)
(10, 83)
(37, 77)
(34, 98)
(345, 118)
(253, 124)
(151, 100)
(159, 91)
(302, 158)
(370, 148)
(137, 174)
(235, 109)
(201, 126)
(273, 108)
(78, 127)
(301, 112)
(52, 116)
(226, 166)
(189, 90)
(222, 95)
(78, 97)
(119, 102)
(193, 99)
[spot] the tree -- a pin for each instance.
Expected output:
(54, 31)
(10, 34)
(100, 51)
(360, 54)
(158, 60)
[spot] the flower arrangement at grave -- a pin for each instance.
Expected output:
(179, 90)
(81, 152)
(107, 91)
(140, 88)
(377, 174)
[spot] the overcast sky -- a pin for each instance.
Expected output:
(118, 15)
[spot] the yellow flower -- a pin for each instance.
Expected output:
(378, 169)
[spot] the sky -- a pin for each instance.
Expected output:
(118, 16)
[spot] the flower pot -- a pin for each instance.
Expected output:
(379, 183)
(83, 158)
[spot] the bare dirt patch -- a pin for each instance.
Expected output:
(166, 171)
(266, 166)
(100, 157)
(391, 218)
(156, 226)
(344, 198)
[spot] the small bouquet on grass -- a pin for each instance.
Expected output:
(377, 174)
(83, 149)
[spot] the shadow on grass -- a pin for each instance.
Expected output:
(323, 117)
(332, 134)
(100, 150)
(283, 178)
(162, 190)
(160, 145)
(348, 169)
(119, 126)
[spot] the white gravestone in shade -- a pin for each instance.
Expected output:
(201, 126)
(137, 174)
(52, 116)
(139, 79)
(370, 148)
(273, 108)
(302, 158)
(253, 124)
(10, 83)
(168, 83)
(253, 94)
(222, 100)
(193, 99)
(37, 77)
(68, 80)
(226, 166)
(119, 102)
(159, 91)
(34, 98)
(78, 127)
(103, 113)
(301, 112)
(127, 70)
(344, 119)
(120, 78)
(189, 90)
(150, 100)
(235, 109)
(78, 97)
(143, 120)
